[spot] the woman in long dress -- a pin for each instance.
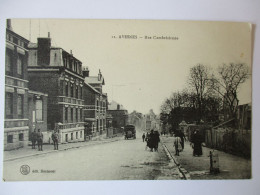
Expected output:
(197, 141)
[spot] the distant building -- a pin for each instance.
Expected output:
(55, 72)
(119, 114)
(137, 119)
(152, 122)
(95, 104)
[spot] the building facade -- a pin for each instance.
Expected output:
(16, 127)
(54, 71)
(119, 116)
(95, 104)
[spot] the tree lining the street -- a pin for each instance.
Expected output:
(227, 82)
(206, 95)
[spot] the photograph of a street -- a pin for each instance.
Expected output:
(127, 100)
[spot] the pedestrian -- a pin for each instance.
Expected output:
(143, 136)
(147, 137)
(182, 136)
(157, 140)
(55, 139)
(177, 144)
(34, 138)
(152, 141)
(39, 139)
(196, 143)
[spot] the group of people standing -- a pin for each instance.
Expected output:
(37, 136)
(152, 140)
(195, 139)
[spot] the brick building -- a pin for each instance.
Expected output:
(119, 116)
(54, 71)
(95, 104)
(16, 128)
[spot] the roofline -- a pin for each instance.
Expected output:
(18, 35)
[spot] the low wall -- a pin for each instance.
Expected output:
(229, 140)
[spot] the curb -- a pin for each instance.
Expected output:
(184, 174)
(52, 151)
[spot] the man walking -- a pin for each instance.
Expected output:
(143, 136)
(55, 139)
(39, 139)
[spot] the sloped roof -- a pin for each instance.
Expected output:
(92, 88)
(94, 80)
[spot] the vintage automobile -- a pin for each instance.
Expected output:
(130, 132)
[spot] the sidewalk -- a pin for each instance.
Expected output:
(49, 148)
(231, 166)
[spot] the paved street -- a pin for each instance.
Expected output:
(117, 160)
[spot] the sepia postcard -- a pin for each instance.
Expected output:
(127, 100)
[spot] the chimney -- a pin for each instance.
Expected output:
(49, 35)
(44, 50)
(99, 75)
(9, 24)
(85, 72)
(118, 106)
(71, 52)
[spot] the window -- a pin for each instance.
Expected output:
(19, 65)
(77, 92)
(71, 90)
(20, 106)
(76, 67)
(76, 114)
(65, 62)
(80, 69)
(66, 114)
(9, 62)
(15, 40)
(66, 137)
(80, 115)
(71, 64)
(66, 89)
(71, 136)
(9, 138)
(20, 136)
(39, 110)
(71, 115)
(76, 135)
(9, 105)
(80, 134)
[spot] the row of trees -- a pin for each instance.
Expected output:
(209, 92)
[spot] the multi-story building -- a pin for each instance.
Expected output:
(54, 71)
(95, 104)
(119, 116)
(16, 128)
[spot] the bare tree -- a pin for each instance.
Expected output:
(227, 83)
(198, 81)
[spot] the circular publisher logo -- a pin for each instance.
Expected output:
(25, 169)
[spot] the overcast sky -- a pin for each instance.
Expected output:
(141, 73)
